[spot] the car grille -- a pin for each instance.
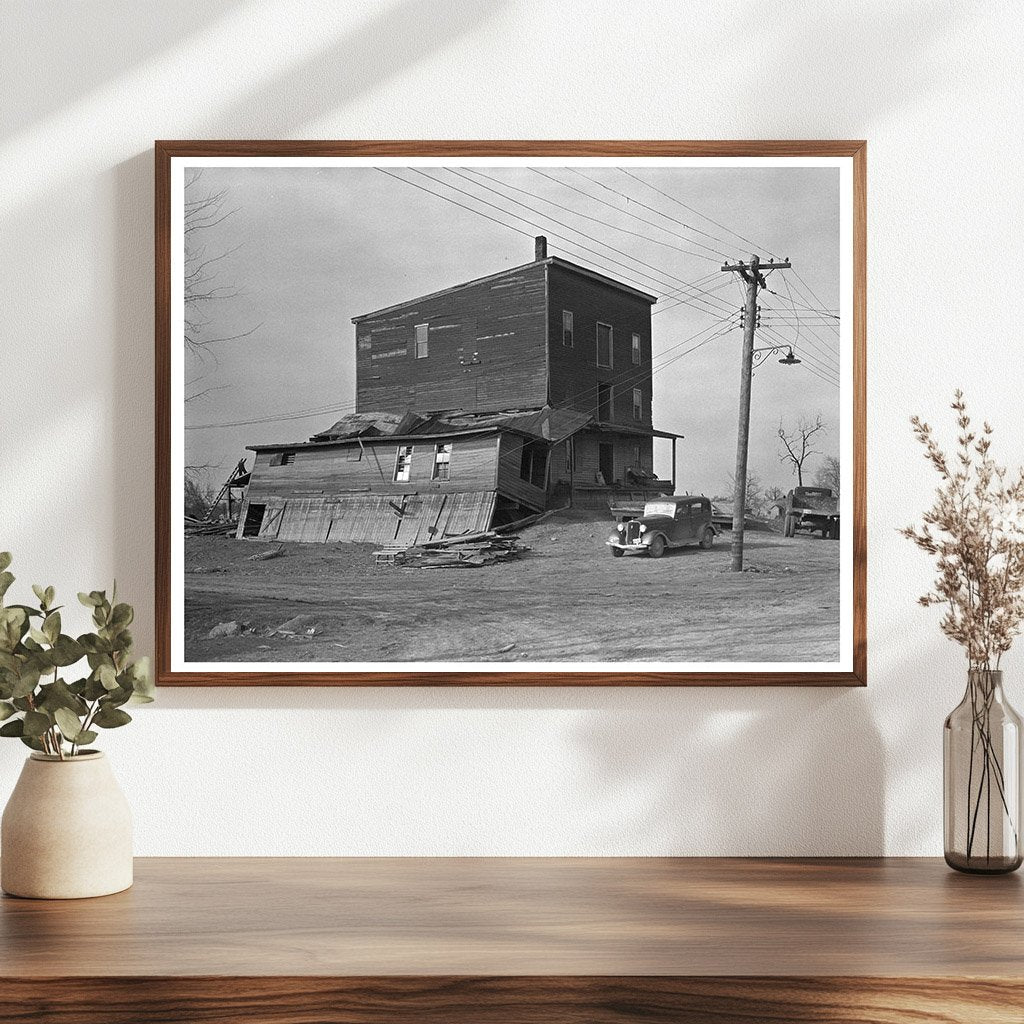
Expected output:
(632, 533)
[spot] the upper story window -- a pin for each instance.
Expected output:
(282, 459)
(422, 332)
(638, 404)
(636, 350)
(567, 328)
(442, 462)
(403, 464)
(604, 345)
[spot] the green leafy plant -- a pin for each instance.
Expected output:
(37, 705)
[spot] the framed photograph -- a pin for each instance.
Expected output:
(510, 413)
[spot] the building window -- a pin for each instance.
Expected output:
(354, 454)
(442, 462)
(604, 345)
(570, 455)
(422, 331)
(403, 464)
(636, 349)
(567, 328)
(638, 404)
(605, 403)
(282, 459)
(636, 456)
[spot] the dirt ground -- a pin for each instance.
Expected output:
(566, 599)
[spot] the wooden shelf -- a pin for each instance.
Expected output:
(573, 941)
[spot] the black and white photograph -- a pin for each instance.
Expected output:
(516, 414)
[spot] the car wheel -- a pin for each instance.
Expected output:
(790, 528)
(707, 538)
(617, 552)
(657, 547)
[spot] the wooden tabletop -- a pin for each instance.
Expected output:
(511, 917)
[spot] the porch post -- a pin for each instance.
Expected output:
(673, 464)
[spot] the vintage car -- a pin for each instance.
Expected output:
(667, 522)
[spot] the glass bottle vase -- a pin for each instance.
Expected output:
(981, 771)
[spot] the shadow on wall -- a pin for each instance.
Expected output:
(742, 771)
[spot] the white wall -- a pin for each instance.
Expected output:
(936, 88)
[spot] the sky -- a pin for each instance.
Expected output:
(300, 251)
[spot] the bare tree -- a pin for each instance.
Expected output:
(772, 497)
(755, 495)
(797, 444)
(198, 493)
(828, 474)
(203, 209)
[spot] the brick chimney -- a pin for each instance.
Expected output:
(540, 248)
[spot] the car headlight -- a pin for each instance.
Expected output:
(643, 528)
(620, 527)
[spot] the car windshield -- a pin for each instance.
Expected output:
(660, 508)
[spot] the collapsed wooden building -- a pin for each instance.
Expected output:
(526, 390)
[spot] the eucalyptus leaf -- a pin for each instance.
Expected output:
(111, 718)
(27, 682)
(36, 723)
(6, 579)
(69, 724)
(31, 741)
(122, 616)
(59, 695)
(16, 727)
(38, 635)
(107, 676)
(51, 626)
(6, 710)
(40, 593)
(66, 651)
(5, 559)
(89, 600)
(86, 736)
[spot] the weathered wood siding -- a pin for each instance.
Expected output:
(510, 481)
(344, 493)
(587, 457)
(575, 375)
(376, 518)
(502, 320)
(337, 469)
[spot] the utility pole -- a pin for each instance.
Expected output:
(753, 276)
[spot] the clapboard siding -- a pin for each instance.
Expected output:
(377, 518)
(510, 482)
(574, 373)
(502, 320)
(335, 469)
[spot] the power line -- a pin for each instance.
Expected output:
(660, 213)
(679, 202)
(568, 241)
(628, 213)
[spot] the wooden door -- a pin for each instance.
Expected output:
(606, 462)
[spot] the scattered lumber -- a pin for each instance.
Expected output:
(195, 528)
(471, 553)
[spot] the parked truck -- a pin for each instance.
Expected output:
(812, 508)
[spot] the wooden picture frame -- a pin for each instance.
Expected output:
(848, 669)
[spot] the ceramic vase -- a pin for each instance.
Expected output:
(66, 831)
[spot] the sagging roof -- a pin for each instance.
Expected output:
(546, 424)
(551, 261)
